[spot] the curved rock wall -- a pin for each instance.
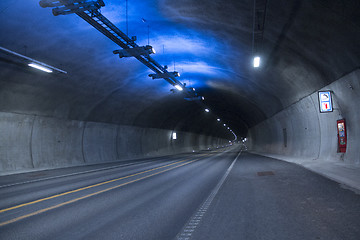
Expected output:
(36, 142)
(302, 131)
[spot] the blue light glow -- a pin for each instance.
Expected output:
(197, 53)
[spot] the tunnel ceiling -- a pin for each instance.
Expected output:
(305, 46)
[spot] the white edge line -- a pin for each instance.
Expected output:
(191, 225)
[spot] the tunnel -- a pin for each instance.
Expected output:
(160, 119)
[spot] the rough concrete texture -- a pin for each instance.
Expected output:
(56, 142)
(99, 142)
(33, 142)
(15, 141)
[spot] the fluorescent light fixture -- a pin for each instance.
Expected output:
(178, 87)
(32, 62)
(256, 62)
(207, 110)
(218, 119)
(174, 136)
(40, 67)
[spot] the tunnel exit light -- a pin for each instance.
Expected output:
(174, 136)
(256, 62)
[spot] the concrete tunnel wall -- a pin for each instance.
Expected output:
(35, 142)
(310, 134)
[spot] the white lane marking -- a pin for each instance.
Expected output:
(195, 220)
(72, 174)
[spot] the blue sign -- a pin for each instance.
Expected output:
(325, 101)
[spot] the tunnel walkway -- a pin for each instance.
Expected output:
(222, 194)
(339, 171)
(265, 198)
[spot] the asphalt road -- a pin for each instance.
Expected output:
(208, 195)
(268, 199)
(150, 199)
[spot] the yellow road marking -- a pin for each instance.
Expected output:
(89, 195)
(84, 188)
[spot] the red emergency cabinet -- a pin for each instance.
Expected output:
(341, 131)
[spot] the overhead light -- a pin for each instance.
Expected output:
(202, 98)
(207, 110)
(40, 67)
(256, 62)
(150, 49)
(218, 119)
(224, 125)
(178, 87)
(31, 62)
(174, 136)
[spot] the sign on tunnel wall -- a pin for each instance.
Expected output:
(325, 101)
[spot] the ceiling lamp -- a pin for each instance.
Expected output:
(40, 67)
(178, 87)
(256, 62)
(32, 62)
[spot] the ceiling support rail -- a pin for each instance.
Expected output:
(89, 11)
(259, 17)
